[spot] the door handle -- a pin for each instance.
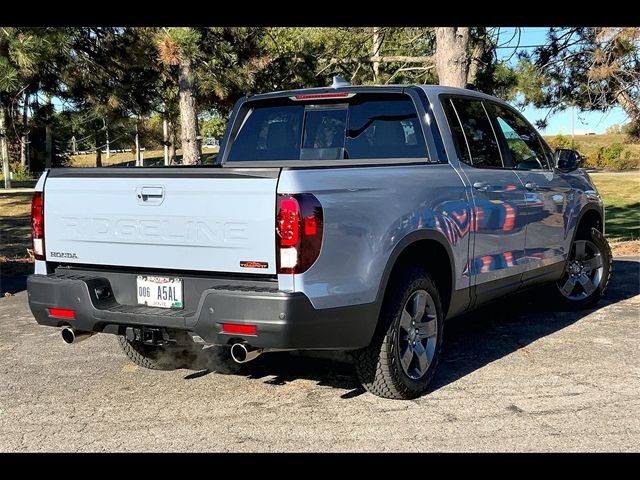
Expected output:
(150, 195)
(482, 186)
(152, 191)
(531, 186)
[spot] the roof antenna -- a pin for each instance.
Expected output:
(339, 82)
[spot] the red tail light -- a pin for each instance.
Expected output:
(37, 225)
(289, 222)
(298, 232)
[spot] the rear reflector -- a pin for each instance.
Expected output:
(239, 328)
(62, 313)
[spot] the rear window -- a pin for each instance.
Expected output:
(269, 133)
(367, 127)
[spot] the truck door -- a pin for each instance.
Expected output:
(547, 192)
(498, 200)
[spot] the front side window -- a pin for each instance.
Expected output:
(480, 138)
(522, 140)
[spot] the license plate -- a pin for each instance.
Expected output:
(163, 292)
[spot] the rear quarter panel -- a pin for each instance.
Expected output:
(367, 212)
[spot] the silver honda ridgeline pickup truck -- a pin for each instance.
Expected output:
(352, 218)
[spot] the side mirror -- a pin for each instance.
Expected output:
(566, 160)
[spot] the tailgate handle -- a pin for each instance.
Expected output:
(150, 194)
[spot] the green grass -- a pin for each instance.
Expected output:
(621, 196)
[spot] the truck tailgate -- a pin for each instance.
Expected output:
(217, 220)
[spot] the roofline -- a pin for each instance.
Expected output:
(351, 88)
(428, 89)
(445, 90)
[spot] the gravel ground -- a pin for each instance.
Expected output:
(515, 376)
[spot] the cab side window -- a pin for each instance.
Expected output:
(521, 140)
(472, 124)
(456, 132)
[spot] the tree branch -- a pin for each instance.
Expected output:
(381, 59)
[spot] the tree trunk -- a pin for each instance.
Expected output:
(138, 161)
(106, 136)
(48, 141)
(165, 138)
(452, 57)
(473, 70)
(632, 110)
(172, 141)
(4, 148)
(188, 115)
(24, 143)
(98, 157)
(375, 52)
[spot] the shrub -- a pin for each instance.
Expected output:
(632, 132)
(612, 152)
(591, 160)
(560, 141)
(20, 173)
(623, 164)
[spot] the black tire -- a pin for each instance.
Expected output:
(595, 238)
(378, 366)
(170, 357)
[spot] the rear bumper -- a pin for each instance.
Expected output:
(284, 320)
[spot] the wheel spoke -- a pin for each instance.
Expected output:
(419, 305)
(421, 355)
(587, 284)
(417, 333)
(428, 328)
(405, 320)
(431, 346)
(569, 285)
(593, 263)
(406, 357)
(580, 248)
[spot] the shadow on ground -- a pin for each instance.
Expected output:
(15, 236)
(13, 284)
(471, 341)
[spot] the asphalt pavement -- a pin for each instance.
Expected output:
(515, 376)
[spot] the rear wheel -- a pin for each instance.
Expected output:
(587, 272)
(402, 357)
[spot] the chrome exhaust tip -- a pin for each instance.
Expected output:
(70, 335)
(243, 352)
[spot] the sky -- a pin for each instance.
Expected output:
(559, 122)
